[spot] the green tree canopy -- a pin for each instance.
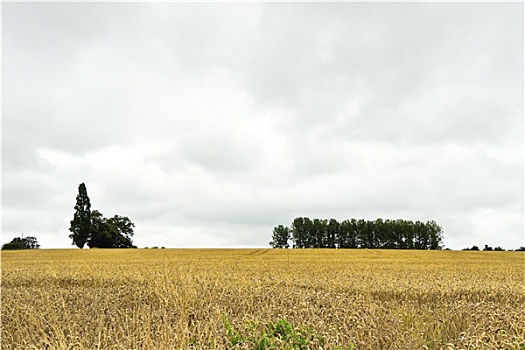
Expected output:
(115, 232)
(18, 243)
(280, 237)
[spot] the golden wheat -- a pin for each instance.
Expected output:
(182, 299)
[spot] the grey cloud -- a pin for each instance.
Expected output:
(382, 61)
(222, 151)
(208, 124)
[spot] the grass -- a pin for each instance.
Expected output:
(262, 299)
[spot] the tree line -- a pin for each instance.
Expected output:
(488, 248)
(92, 228)
(353, 233)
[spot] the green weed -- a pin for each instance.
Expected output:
(279, 335)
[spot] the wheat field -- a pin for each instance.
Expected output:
(262, 299)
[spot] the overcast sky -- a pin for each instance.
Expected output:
(208, 124)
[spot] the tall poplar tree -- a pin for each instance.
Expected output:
(81, 224)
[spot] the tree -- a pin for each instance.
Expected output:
(309, 232)
(420, 237)
(409, 231)
(97, 238)
(15, 244)
(299, 232)
(435, 233)
(81, 224)
(115, 232)
(121, 231)
(18, 243)
(93, 228)
(30, 242)
(318, 233)
(333, 233)
(381, 236)
(280, 237)
(361, 235)
(347, 237)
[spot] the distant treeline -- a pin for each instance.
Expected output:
(352, 233)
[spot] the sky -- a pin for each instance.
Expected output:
(208, 124)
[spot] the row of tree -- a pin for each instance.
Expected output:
(487, 248)
(92, 228)
(352, 233)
